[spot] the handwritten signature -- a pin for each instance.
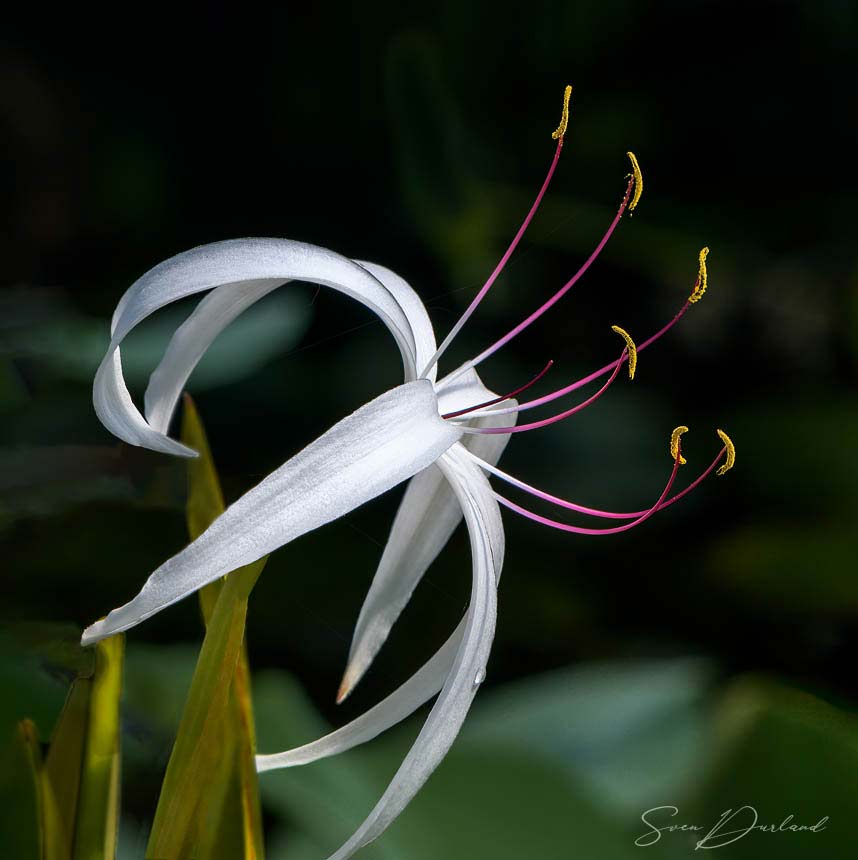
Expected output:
(733, 825)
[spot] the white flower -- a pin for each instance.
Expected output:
(442, 434)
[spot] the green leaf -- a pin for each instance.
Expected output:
(627, 731)
(64, 767)
(75, 803)
(783, 752)
(98, 804)
(21, 796)
(209, 803)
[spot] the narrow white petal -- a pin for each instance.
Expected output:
(415, 310)
(417, 690)
(218, 309)
(190, 342)
(365, 454)
(447, 715)
(116, 409)
(240, 265)
(401, 703)
(427, 517)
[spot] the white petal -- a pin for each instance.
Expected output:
(417, 690)
(240, 264)
(365, 454)
(116, 409)
(447, 715)
(190, 342)
(218, 309)
(401, 703)
(415, 310)
(427, 517)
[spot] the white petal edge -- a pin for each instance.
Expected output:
(234, 263)
(469, 663)
(427, 517)
(220, 307)
(373, 449)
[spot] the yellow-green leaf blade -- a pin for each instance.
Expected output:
(98, 803)
(21, 793)
(197, 749)
(205, 497)
(209, 802)
(63, 771)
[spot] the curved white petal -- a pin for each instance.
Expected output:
(427, 517)
(417, 690)
(220, 307)
(401, 703)
(415, 310)
(449, 711)
(373, 449)
(190, 342)
(241, 265)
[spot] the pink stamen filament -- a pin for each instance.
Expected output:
(582, 509)
(560, 416)
(613, 366)
(556, 297)
(644, 516)
(503, 396)
(501, 264)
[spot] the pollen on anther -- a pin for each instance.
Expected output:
(630, 345)
(636, 172)
(731, 453)
(702, 279)
(558, 133)
(674, 444)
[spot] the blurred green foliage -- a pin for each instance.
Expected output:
(566, 759)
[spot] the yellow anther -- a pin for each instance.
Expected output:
(731, 453)
(674, 444)
(630, 346)
(701, 283)
(558, 133)
(636, 172)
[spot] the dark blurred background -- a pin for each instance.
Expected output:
(417, 140)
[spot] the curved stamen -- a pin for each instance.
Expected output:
(730, 448)
(535, 425)
(561, 392)
(580, 530)
(630, 346)
(559, 294)
(613, 366)
(503, 397)
(702, 277)
(583, 509)
(560, 131)
(558, 135)
(638, 177)
(674, 443)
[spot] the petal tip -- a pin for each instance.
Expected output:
(345, 689)
(355, 670)
(94, 633)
